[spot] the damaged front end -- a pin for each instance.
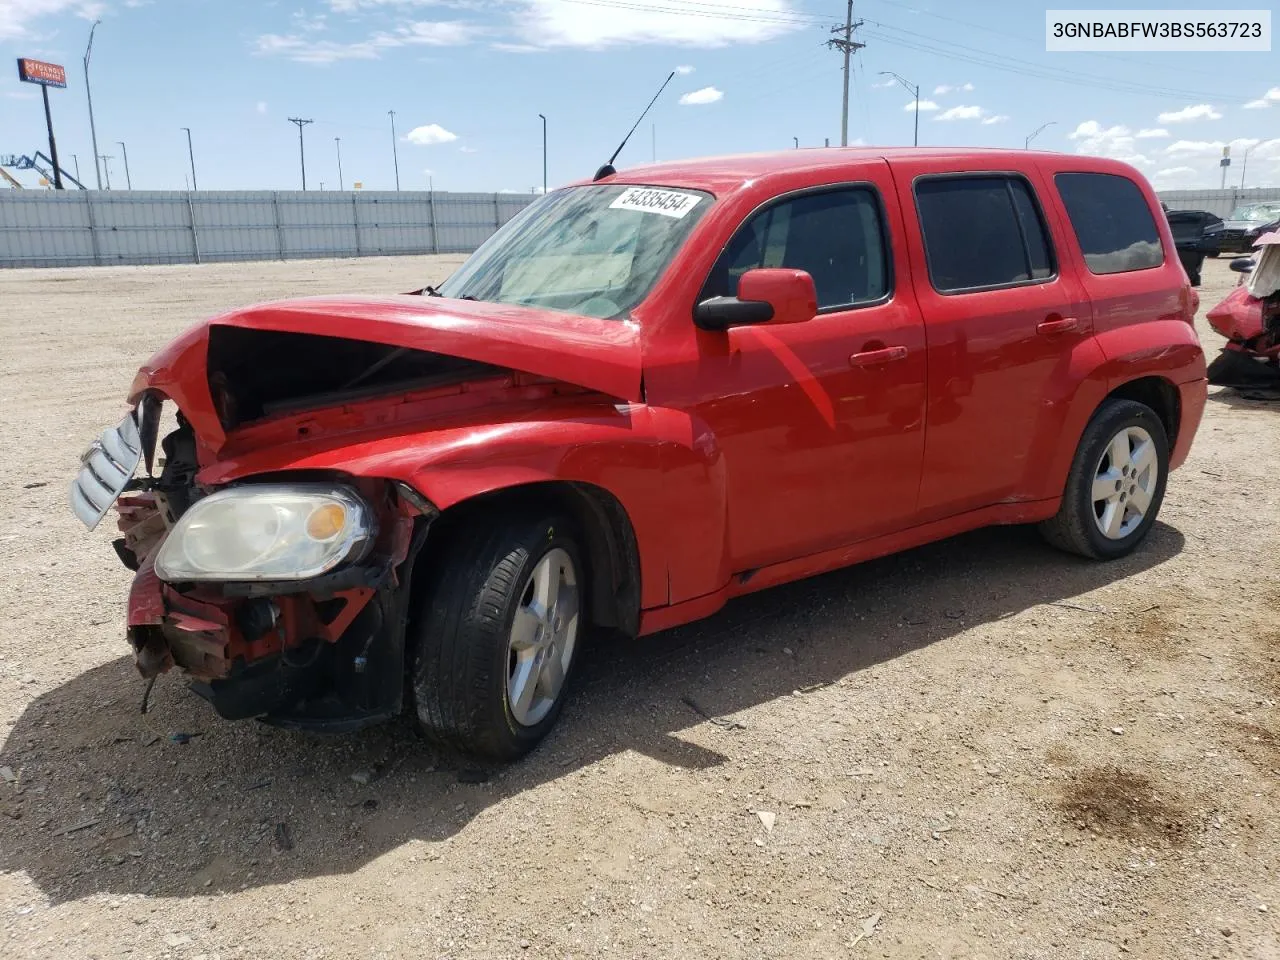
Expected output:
(1249, 318)
(282, 597)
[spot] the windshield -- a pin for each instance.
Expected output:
(1258, 211)
(595, 250)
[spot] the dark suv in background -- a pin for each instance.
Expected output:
(1195, 234)
(1246, 224)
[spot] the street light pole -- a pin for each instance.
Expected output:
(106, 159)
(192, 155)
(88, 52)
(128, 180)
(544, 154)
(1245, 165)
(395, 153)
(797, 140)
(914, 90)
(337, 142)
(1027, 143)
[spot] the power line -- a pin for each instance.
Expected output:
(923, 43)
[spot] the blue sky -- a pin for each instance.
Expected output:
(468, 78)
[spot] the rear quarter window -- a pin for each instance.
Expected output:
(1111, 221)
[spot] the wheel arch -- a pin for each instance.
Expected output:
(1157, 392)
(609, 540)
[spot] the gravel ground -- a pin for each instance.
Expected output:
(980, 748)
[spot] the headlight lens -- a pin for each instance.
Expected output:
(267, 532)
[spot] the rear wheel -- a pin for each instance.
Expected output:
(498, 635)
(1116, 484)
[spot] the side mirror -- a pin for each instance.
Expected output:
(1242, 264)
(766, 295)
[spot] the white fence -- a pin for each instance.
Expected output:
(1220, 202)
(99, 228)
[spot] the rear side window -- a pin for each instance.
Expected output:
(1112, 222)
(982, 232)
(836, 236)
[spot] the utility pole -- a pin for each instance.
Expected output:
(88, 52)
(544, 154)
(192, 155)
(302, 153)
(395, 154)
(849, 46)
(106, 166)
(337, 142)
(128, 180)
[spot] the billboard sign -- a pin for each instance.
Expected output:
(45, 74)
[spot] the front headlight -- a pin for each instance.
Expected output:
(267, 532)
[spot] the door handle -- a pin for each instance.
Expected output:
(870, 358)
(1057, 325)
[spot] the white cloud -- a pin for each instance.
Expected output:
(18, 16)
(926, 106)
(684, 70)
(1268, 98)
(942, 89)
(961, 113)
(1201, 111)
(354, 6)
(703, 96)
(430, 134)
(1175, 173)
(1212, 149)
(1152, 133)
(262, 106)
(301, 49)
(515, 47)
(20, 94)
(468, 150)
(1116, 142)
(997, 118)
(884, 84)
(717, 23)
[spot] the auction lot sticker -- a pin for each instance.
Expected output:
(669, 203)
(1190, 31)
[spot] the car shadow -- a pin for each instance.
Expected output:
(180, 803)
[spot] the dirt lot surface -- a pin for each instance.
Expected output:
(982, 748)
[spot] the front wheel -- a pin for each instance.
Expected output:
(1116, 483)
(498, 635)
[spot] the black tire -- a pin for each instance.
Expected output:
(460, 654)
(1074, 528)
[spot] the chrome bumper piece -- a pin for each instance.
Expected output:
(108, 466)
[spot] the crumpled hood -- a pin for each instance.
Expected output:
(597, 354)
(601, 355)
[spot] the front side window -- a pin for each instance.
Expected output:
(592, 250)
(836, 236)
(1112, 222)
(982, 232)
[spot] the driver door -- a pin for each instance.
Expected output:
(821, 423)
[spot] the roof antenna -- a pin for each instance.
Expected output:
(607, 170)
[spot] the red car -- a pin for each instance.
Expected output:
(642, 397)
